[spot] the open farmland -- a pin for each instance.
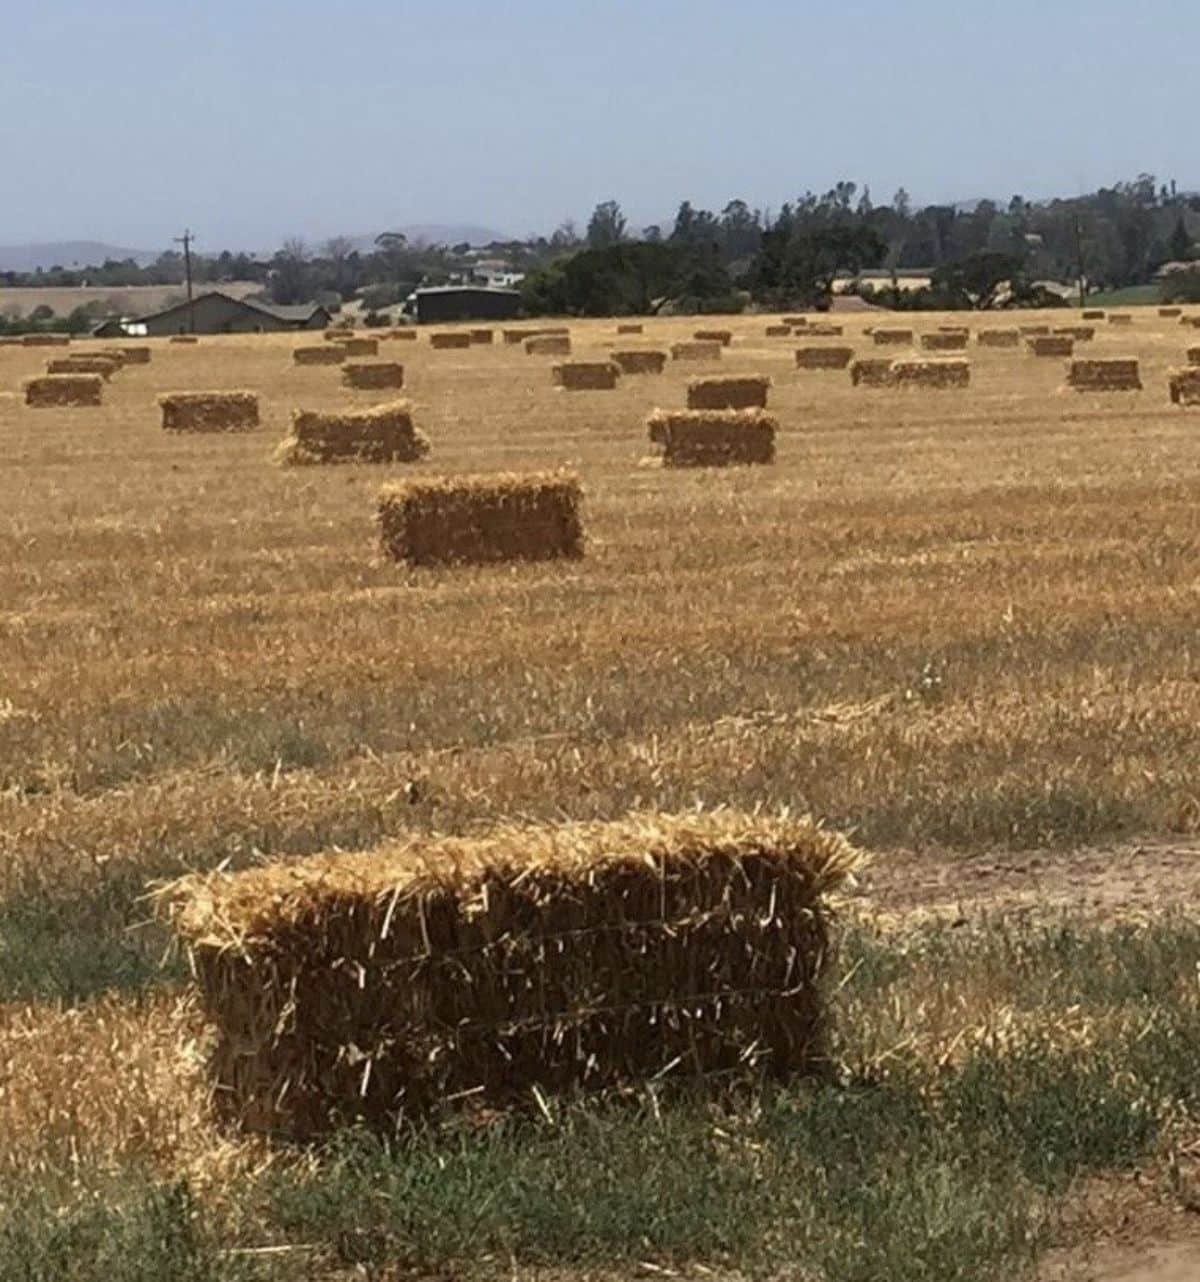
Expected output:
(952, 622)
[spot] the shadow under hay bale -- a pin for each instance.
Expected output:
(945, 341)
(384, 434)
(748, 392)
(319, 354)
(630, 328)
(938, 374)
(892, 337)
(484, 972)
(64, 389)
(209, 411)
(586, 376)
(871, 372)
(105, 366)
(481, 519)
(360, 346)
(696, 351)
(450, 340)
(45, 340)
(999, 338)
(1120, 374)
(482, 337)
(722, 336)
(713, 438)
(548, 345)
(373, 376)
(1184, 386)
(1050, 345)
(640, 362)
(819, 358)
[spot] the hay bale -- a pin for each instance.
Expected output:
(1034, 331)
(1120, 318)
(946, 341)
(105, 366)
(874, 371)
(183, 338)
(403, 335)
(1094, 314)
(999, 338)
(360, 346)
(1106, 375)
(1191, 321)
(450, 340)
(939, 374)
(722, 336)
(64, 389)
(713, 438)
(822, 329)
(892, 337)
(135, 355)
(823, 357)
(1080, 333)
(482, 337)
(796, 322)
(1184, 386)
(778, 331)
(1050, 345)
(209, 411)
(319, 354)
(514, 336)
(382, 434)
(9, 340)
(698, 350)
(373, 376)
(637, 361)
(492, 970)
(586, 376)
(337, 335)
(548, 345)
(1170, 312)
(45, 340)
(479, 519)
(747, 392)
(1193, 355)
(630, 328)
(954, 329)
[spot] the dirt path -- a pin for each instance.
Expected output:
(1170, 1262)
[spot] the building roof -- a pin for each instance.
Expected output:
(291, 312)
(463, 289)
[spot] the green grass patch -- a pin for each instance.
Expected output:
(1130, 296)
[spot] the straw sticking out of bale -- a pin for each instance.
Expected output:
(450, 340)
(1184, 386)
(637, 361)
(1050, 345)
(209, 411)
(871, 372)
(999, 338)
(64, 389)
(722, 336)
(824, 357)
(319, 354)
(586, 376)
(370, 376)
(935, 374)
(482, 337)
(1110, 375)
(954, 340)
(713, 438)
(747, 392)
(384, 434)
(696, 351)
(892, 337)
(548, 345)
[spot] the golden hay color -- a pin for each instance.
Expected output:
(586, 376)
(371, 376)
(483, 337)
(1080, 333)
(637, 361)
(1034, 331)
(1050, 345)
(892, 337)
(403, 335)
(45, 340)
(64, 389)
(383, 434)
(1170, 312)
(796, 322)
(778, 331)
(1109, 375)
(386, 986)
(450, 340)
(105, 366)
(875, 371)
(361, 346)
(319, 354)
(999, 338)
(954, 340)
(548, 345)
(1193, 355)
(722, 336)
(514, 336)
(209, 411)
(940, 374)
(824, 357)
(1094, 314)
(747, 392)
(713, 438)
(1184, 385)
(630, 327)
(135, 355)
(696, 350)
(1120, 318)
(532, 516)
(184, 338)
(823, 329)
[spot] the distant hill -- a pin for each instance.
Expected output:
(67, 253)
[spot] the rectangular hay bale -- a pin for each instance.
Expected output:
(319, 354)
(874, 371)
(746, 392)
(405, 334)
(722, 336)
(713, 438)
(823, 357)
(1050, 345)
(548, 345)
(135, 355)
(954, 340)
(450, 340)
(1093, 314)
(64, 389)
(999, 338)
(586, 376)
(45, 340)
(630, 327)
(1120, 318)
(939, 374)
(209, 411)
(1120, 374)
(382, 434)
(778, 331)
(1080, 333)
(697, 350)
(892, 337)
(184, 338)
(1184, 385)
(1193, 355)
(1170, 313)
(482, 337)
(360, 346)
(371, 376)
(823, 329)
(94, 363)
(638, 361)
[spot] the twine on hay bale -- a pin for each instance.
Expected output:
(450, 340)
(383, 434)
(722, 336)
(360, 346)
(488, 971)
(482, 337)
(209, 411)
(954, 340)
(454, 520)
(548, 345)
(823, 357)
(1184, 386)
(873, 371)
(319, 354)
(746, 392)
(630, 327)
(64, 389)
(184, 338)
(1120, 374)
(586, 376)
(1050, 345)
(697, 350)
(45, 340)
(370, 376)
(638, 361)
(1170, 312)
(892, 337)
(105, 366)
(713, 438)
(778, 331)
(1120, 318)
(999, 338)
(1094, 314)
(936, 374)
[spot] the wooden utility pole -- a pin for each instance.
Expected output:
(1079, 259)
(186, 241)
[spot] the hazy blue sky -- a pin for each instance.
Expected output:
(253, 120)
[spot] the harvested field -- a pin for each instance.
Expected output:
(319, 354)
(999, 338)
(548, 345)
(209, 411)
(450, 340)
(105, 366)
(586, 376)
(372, 376)
(747, 392)
(639, 361)
(1050, 345)
(713, 438)
(936, 373)
(696, 351)
(64, 389)
(823, 358)
(883, 337)
(1184, 386)
(383, 434)
(954, 340)
(1105, 375)
(871, 372)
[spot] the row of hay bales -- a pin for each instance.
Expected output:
(79, 379)
(725, 422)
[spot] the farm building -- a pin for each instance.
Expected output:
(464, 302)
(217, 313)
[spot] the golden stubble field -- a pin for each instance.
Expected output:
(945, 621)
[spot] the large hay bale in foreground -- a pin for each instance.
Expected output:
(1184, 386)
(1094, 314)
(45, 340)
(873, 371)
(548, 345)
(823, 357)
(478, 519)
(1106, 375)
(713, 438)
(747, 392)
(490, 971)
(954, 340)
(184, 338)
(892, 337)
(637, 361)
(360, 346)
(999, 338)
(319, 354)
(450, 340)
(383, 434)
(722, 336)
(105, 366)
(696, 350)
(586, 376)
(482, 337)
(630, 328)
(939, 374)
(1050, 345)
(372, 376)
(209, 411)
(64, 389)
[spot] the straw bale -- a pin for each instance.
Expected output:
(892, 337)
(490, 971)
(637, 361)
(1080, 333)
(135, 355)
(1184, 386)
(1094, 314)
(713, 438)
(548, 345)
(778, 331)
(722, 336)
(946, 341)
(954, 329)
(94, 363)
(530, 516)
(1034, 331)
(450, 340)
(64, 389)
(45, 340)
(184, 338)
(403, 335)
(1170, 312)
(382, 434)
(586, 376)
(936, 373)
(10, 340)
(361, 346)
(1107, 375)
(874, 371)
(999, 338)
(1050, 345)
(697, 350)
(823, 329)
(824, 357)
(370, 376)
(515, 336)
(1120, 318)
(630, 328)
(482, 337)
(319, 354)
(746, 392)
(1191, 321)
(209, 411)
(337, 335)
(1193, 355)
(114, 354)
